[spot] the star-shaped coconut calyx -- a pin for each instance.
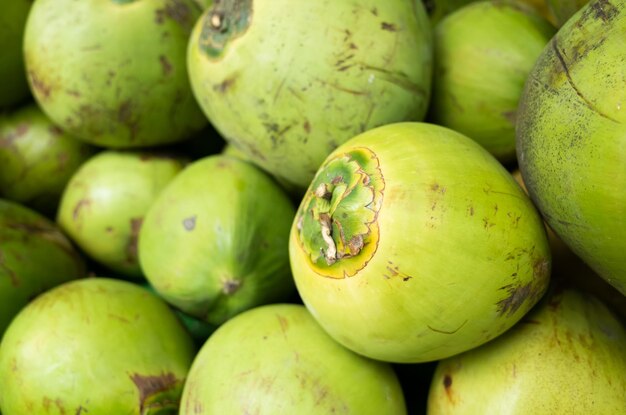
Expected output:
(337, 219)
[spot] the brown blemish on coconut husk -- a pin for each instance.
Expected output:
(80, 410)
(284, 324)
(226, 84)
(41, 88)
(231, 286)
(447, 383)
(79, 206)
(131, 249)
(518, 294)
(7, 141)
(152, 385)
(602, 10)
(390, 27)
(15, 281)
(189, 223)
(126, 117)
(166, 65)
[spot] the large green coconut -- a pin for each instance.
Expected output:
(277, 360)
(37, 159)
(13, 84)
(113, 72)
(34, 257)
(483, 55)
(215, 241)
(287, 81)
(413, 244)
(97, 346)
(104, 204)
(566, 357)
(571, 138)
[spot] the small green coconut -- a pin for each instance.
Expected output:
(571, 137)
(113, 72)
(566, 357)
(483, 55)
(215, 242)
(104, 204)
(413, 244)
(34, 257)
(287, 81)
(37, 159)
(277, 360)
(96, 346)
(13, 84)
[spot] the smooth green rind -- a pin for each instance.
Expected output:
(277, 360)
(461, 253)
(571, 139)
(34, 257)
(296, 84)
(566, 357)
(37, 159)
(97, 346)
(104, 204)
(483, 55)
(114, 74)
(214, 243)
(13, 84)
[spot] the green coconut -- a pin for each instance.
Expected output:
(97, 346)
(215, 241)
(287, 81)
(483, 55)
(113, 72)
(413, 244)
(571, 139)
(34, 257)
(276, 360)
(105, 201)
(37, 159)
(13, 84)
(566, 357)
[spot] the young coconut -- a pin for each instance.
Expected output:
(215, 242)
(96, 346)
(113, 72)
(483, 55)
(37, 159)
(34, 257)
(566, 357)
(13, 84)
(104, 203)
(287, 81)
(414, 244)
(277, 360)
(571, 137)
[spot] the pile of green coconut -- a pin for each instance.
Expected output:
(257, 207)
